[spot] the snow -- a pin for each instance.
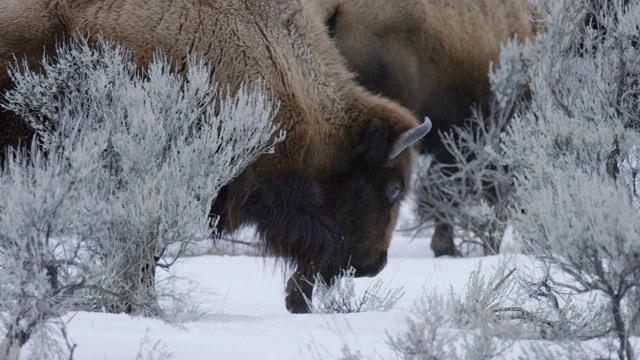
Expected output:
(242, 314)
(248, 319)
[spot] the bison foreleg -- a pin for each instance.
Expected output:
(299, 293)
(442, 241)
(300, 290)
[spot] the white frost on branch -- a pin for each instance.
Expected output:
(125, 164)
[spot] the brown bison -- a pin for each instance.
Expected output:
(328, 197)
(432, 56)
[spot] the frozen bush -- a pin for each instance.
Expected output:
(477, 325)
(576, 150)
(572, 155)
(48, 218)
(150, 350)
(125, 164)
(493, 314)
(340, 296)
(427, 336)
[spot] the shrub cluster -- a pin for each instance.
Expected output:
(124, 165)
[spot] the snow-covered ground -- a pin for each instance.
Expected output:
(242, 313)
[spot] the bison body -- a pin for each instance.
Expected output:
(432, 56)
(328, 197)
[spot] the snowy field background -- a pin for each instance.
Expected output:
(242, 313)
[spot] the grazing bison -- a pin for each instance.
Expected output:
(431, 56)
(328, 197)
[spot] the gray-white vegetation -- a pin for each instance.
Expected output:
(152, 350)
(125, 165)
(340, 295)
(471, 325)
(573, 151)
(576, 150)
(490, 315)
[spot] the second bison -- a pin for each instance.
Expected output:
(432, 56)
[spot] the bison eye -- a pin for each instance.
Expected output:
(394, 188)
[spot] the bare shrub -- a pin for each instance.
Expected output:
(125, 164)
(573, 153)
(475, 325)
(340, 296)
(152, 350)
(576, 150)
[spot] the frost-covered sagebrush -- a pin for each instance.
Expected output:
(573, 150)
(474, 325)
(576, 150)
(489, 317)
(340, 296)
(125, 164)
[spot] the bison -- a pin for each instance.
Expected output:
(432, 56)
(328, 197)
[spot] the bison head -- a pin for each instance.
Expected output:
(325, 224)
(360, 203)
(365, 198)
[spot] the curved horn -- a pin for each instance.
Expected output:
(409, 137)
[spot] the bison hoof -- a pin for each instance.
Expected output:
(444, 252)
(444, 248)
(298, 291)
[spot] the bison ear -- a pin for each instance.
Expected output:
(373, 145)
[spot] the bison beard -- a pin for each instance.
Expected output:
(288, 213)
(292, 222)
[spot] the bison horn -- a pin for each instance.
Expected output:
(409, 137)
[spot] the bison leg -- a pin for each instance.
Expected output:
(300, 290)
(442, 241)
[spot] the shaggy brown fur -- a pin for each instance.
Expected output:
(432, 56)
(327, 197)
